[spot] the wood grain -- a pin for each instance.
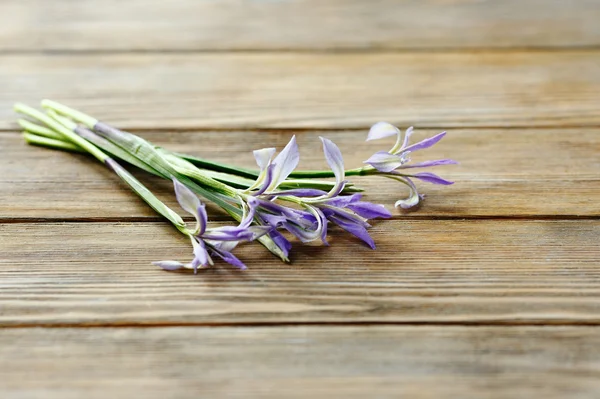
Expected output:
(296, 362)
(490, 290)
(470, 272)
(275, 90)
(191, 25)
(502, 172)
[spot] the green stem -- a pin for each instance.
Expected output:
(58, 127)
(42, 141)
(253, 174)
(72, 113)
(39, 130)
(127, 177)
(147, 154)
(219, 166)
(91, 123)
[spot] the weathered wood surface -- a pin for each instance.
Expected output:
(275, 90)
(296, 362)
(489, 290)
(431, 271)
(190, 25)
(502, 172)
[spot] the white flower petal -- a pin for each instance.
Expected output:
(384, 161)
(263, 157)
(333, 155)
(191, 204)
(381, 130)
(186, 198)
(285, 163)
(169, 264)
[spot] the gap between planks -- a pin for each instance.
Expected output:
(333, 324)
(15, 130)
(330, 50)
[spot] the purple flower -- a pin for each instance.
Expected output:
(218, 241)
(348, 212)
(391, 163)
(319, 208)
(306, 225)
(274, 171)
(301, 223)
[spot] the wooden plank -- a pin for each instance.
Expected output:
(502, 172)
(295, 24)
(338, 91)
(297, 362)
(473, 271)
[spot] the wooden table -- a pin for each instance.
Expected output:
(491, 289)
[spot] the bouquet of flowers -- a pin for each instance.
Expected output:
(270, 204)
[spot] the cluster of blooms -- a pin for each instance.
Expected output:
(264, 207)
(392, 163)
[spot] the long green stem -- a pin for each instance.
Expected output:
(92, 123)
(253, 174)
(151, 156)
(42, 141)
(135, 184)
(40, 130)
(58, 127)
(219, 166)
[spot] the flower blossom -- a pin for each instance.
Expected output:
(319, 207)
(218, 241)
(346, 211)
(393, 163)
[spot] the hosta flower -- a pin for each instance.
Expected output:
(393, 163)
(218, 241)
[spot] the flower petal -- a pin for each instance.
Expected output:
(191, 204)
(285, 162)
(295, 215)
(354, 229)
(401, 144)
(369, 210)
(268, 179)
(236, 233)
(432, 178)
(169, 264)
(381, 130)
(249, 212)
(274, 220)
(300, 192)
(202, 219)
(427, 164)
(321, 222)
(263, 157)
(413, 198)
(384, 161)
(407, 135)
(186, 198)
(201, 256)
(425, 143)
(223, 245)
(230, 258)
(282, 242)
(342, 201)
(233, 260)
(303, 234)
(333, 155)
